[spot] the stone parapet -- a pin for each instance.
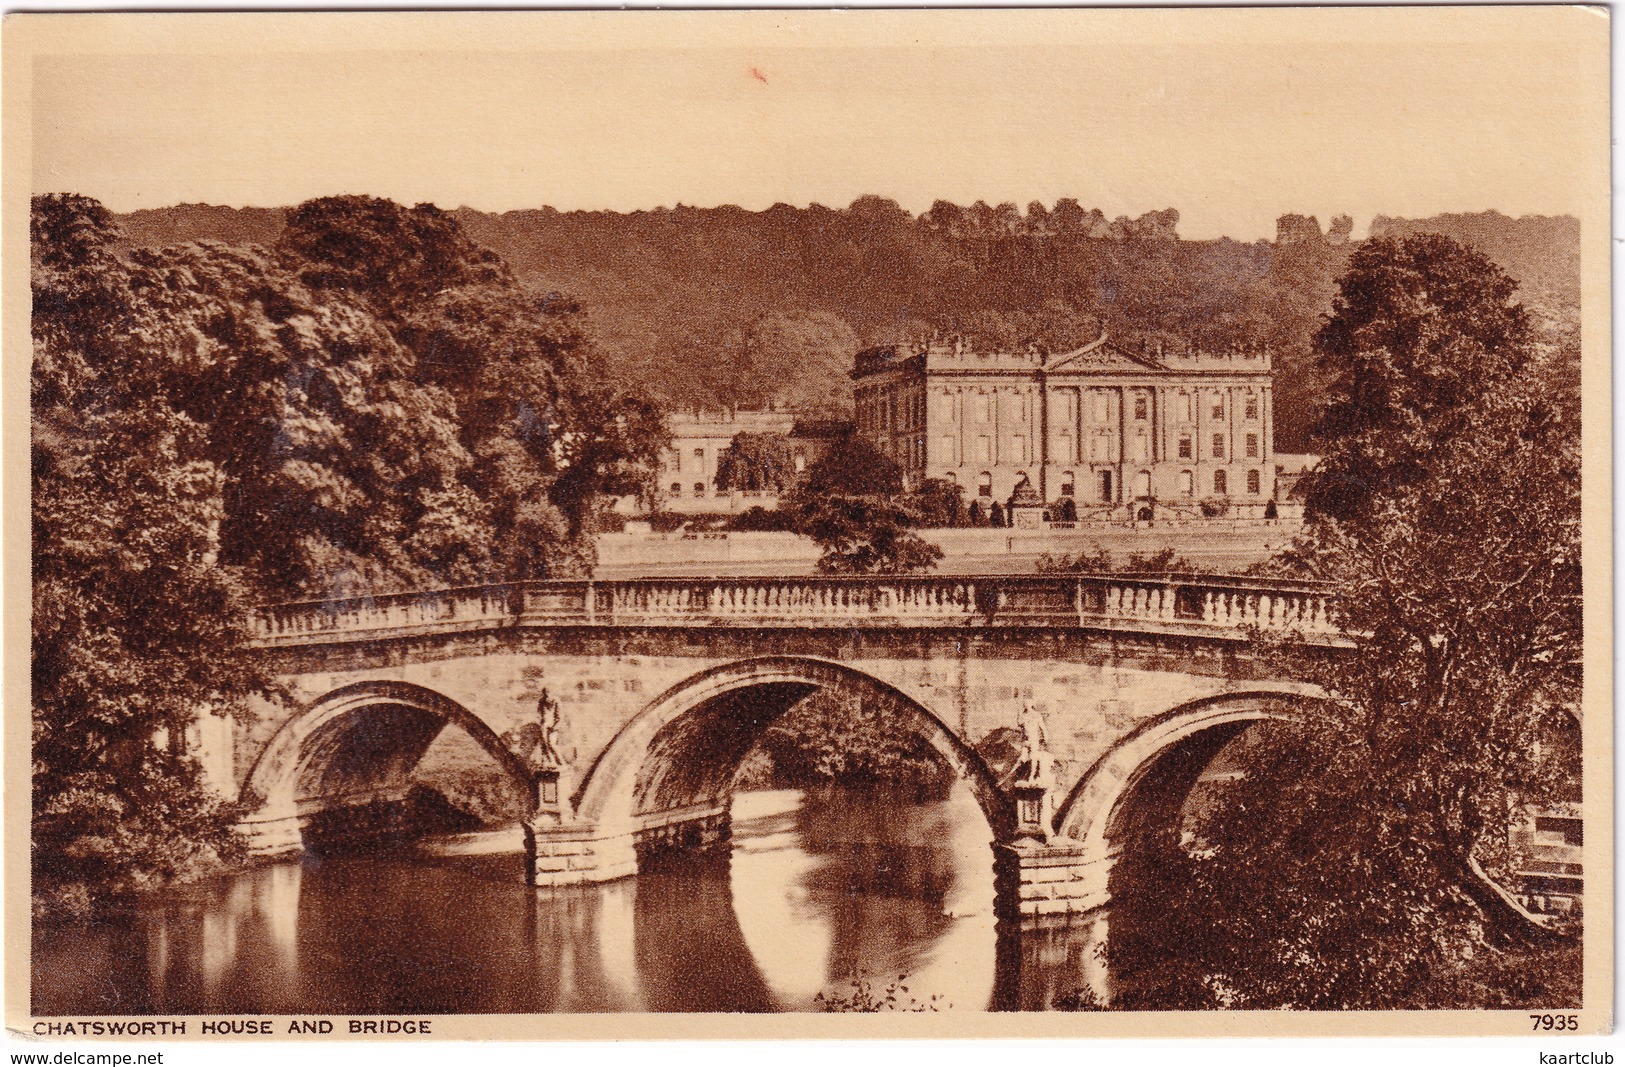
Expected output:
(1208, 606)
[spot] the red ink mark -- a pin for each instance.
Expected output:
(758, 75)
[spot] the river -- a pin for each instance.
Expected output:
(818, 891)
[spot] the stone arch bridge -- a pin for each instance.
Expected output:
(625, 707)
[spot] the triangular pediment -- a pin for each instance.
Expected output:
(1102, 355)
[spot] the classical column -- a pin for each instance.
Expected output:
(1043, 435)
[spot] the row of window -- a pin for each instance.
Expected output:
(674, 463)
(1102, 448)
(1104, 484)
(1184, 406)
(699, 489)
(1187, 446)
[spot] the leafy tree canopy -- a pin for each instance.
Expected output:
(1421, 327)
(853, 465)
(1357, 860)
(756, 462)
(375, 404)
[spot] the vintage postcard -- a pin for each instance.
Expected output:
(808, 524)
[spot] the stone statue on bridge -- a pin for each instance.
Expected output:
(1035, 762)
(536, 742)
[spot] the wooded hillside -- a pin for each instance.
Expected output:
(721, 306)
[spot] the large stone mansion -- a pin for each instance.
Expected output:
(1123, 433)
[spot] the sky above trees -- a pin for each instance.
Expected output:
(1235, 117)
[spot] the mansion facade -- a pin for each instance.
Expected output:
(1122, 433)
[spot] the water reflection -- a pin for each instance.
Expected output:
(816, 889)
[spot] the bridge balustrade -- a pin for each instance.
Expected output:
(1201, 604)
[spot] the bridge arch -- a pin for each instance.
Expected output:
(1140, 784)
(681, 751)
(356, 738)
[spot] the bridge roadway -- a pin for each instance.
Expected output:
(625, 707)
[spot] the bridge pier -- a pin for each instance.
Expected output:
(1055, 880)
(562, 853)
(576, 855)
(274, 830)
(696, 829)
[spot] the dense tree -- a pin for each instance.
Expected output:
(938, 503)
(376, 404)
(672, 290)
(549, 433)
(756, 462)
(837, 738)
(1355, 864)
(1421, 327)
(341, 470)
(853, 466)
(1052, 328)
(795, 360)
(126, 585)
(852, 503)
(864, 535)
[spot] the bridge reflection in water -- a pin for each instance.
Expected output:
(811, 893)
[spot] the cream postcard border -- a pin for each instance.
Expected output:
(1584, 30)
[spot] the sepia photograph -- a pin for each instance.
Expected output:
(1025, 523)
